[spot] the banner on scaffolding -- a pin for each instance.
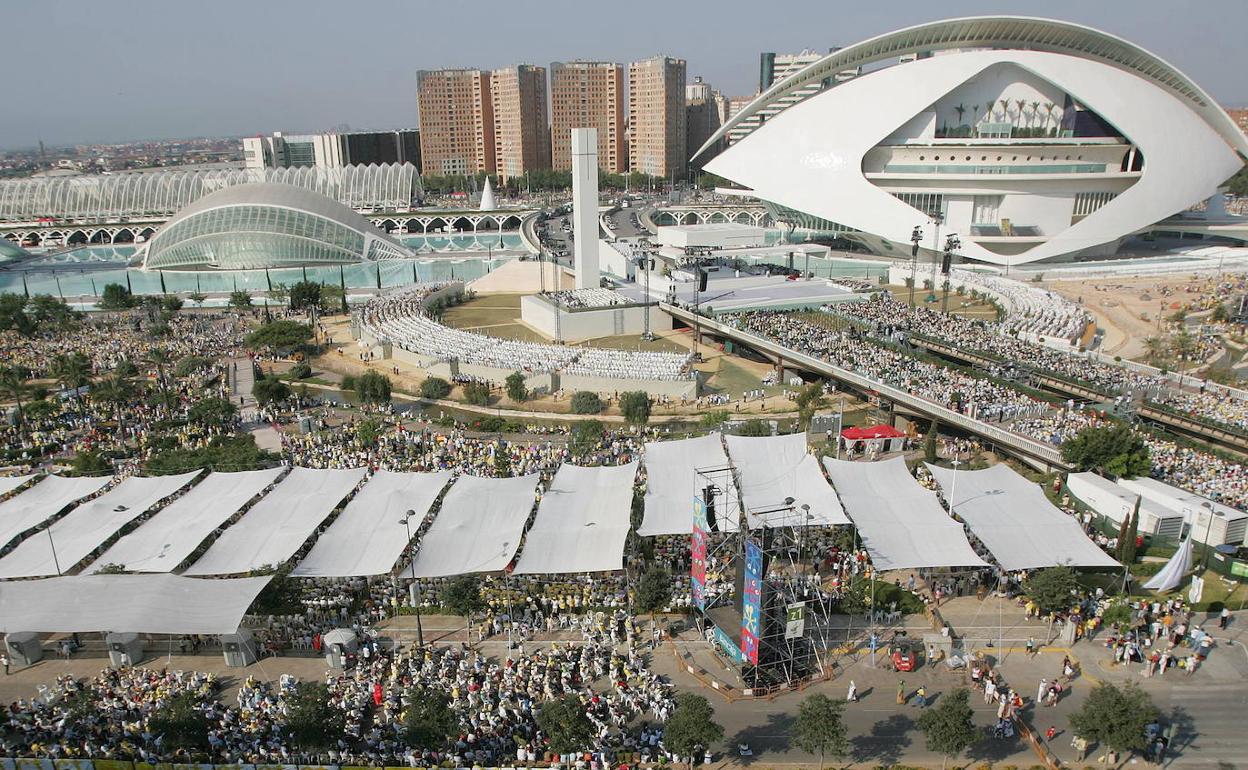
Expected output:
(795, 621)
(752, 602)
(697, 570)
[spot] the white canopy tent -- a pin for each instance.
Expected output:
(367, 538)
(1016, 522)
(773, 468)
(48, 497)
(144, 604)
(89, 526)
(1176, 567)
(581, 523)
(10, 483)
(901, 524)
(163, 542)
(478, 528)
(672, 481)
(272, 531)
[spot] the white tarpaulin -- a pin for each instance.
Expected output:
(10, 483)
(1172, 574)
(581, 523)
(901, 524)
(672, 481)
(89, 526)
(367, 538)
(44, 500)
(274, 529)
(143, 604)
(772, 468)
(164, 541)
(478, 528)
(1016, 522)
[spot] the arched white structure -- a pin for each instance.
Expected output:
(266, 225)
(1035, 139)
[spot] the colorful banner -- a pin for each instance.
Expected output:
(697, 572)
(752, 602)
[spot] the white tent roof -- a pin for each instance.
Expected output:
(10, 483)
(44, 500)
(672, 482)
(88, 526)
(1016, 522)
(367, 538)
(772, 468)
(901, 524)
(478, 528)
(581, 523)
(272, 531)
(1176, 567)
(151, 604)
(164, 541)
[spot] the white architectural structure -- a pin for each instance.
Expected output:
(585, 205)
(487, 196)
(1033, 139)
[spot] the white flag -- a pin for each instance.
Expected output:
(1196, 589)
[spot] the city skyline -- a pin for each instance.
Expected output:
(166, 84)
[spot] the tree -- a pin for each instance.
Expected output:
(159, 358)
(240, 300)
(368, 431)
(90, 464)
(516, 389)
(754, 427)
(1113, 450)
(585, 437)
(212, 412)
(1115, 716)
(820, 727)
(279, 293)
(267, 390)
(300, 371)
(434, 388)
(181, 724)
(1051, 589)
(477, 393)
(691, 728)
(586, 402)
(188, 365)
(429, 721)
(949, 725)
(197, 297)
(373, 387)
(113, 391)
(929, 441)
(50, 313)
(223, 453)
(565, 725)
(462, 596)
(1133, 531)
(279, 335)
(1220, 314)
(654, 590)
(809, 400)
(171, 303)
(312, 722)
(305, 295)
(333, 299)
(13, 315)
(15, 385)
(71, 370)
(115, 297)
(635, 405)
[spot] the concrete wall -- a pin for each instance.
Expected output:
(571, 383)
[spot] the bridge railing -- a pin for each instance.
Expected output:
(1028, 446)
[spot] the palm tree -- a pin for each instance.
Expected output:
(159, 358)
(112, 391)
(1035, 111)
(71, 370)
(15, 385)
(1048, 109)
(1156, 350)
(1005, 109)
(1020, 104)
(961, 110)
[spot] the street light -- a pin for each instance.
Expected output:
(952, 244)
(937, 218)
(415, 588)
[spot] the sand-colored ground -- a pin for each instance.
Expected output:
(524, 277)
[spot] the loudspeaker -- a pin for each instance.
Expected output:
(701, 279)
(914, 249)
(945, 262)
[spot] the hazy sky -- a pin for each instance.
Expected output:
(115, 70)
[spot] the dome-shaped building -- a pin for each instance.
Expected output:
(254, 226)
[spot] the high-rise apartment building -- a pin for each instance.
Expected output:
(332, 150)
(772, 68)
(588, 94)
(704, 108)
(456, 121)
(656, 117)
(698, 91)
(521, 135)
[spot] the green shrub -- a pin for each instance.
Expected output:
(585, 402)
(301, 371)
(435, 387)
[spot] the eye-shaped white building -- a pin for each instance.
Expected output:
(1034, 139)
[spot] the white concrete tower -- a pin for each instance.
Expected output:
(585, 205)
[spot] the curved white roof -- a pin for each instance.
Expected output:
(1005, 32)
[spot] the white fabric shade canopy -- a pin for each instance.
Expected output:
(1016, 522)
(367, 538)
(274, 529)
(145, 604)
(48, 497)
(478, 528)
(89, 526)
(672, 481)
(10, 483)
(773, 468)
(901, 524)
(581, 523)
(164, 541)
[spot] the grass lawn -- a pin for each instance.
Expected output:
(958, 305)
(635, 342)
(484, 311)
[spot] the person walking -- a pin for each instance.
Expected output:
(901, 689)
(852, 695)
(4, 661)
(920, 697)
(1224, 618)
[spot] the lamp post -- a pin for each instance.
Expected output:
(952, 244)
(937, 218)
(415, 588)
(916, 236)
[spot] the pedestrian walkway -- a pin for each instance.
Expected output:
(242, 378)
